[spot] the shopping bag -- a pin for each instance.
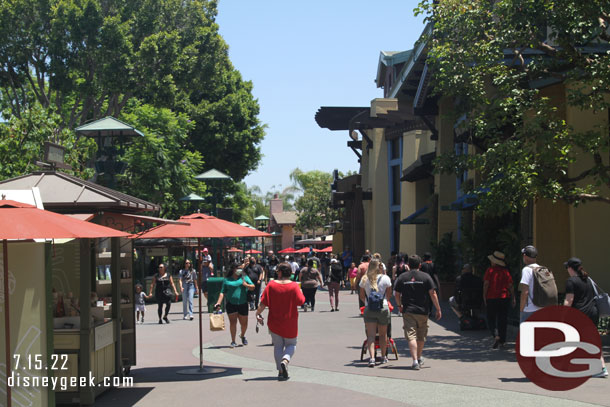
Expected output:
(217, 322)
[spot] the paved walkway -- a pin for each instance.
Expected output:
(460, 369)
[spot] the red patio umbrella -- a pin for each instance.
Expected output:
(303, 250)
(26, 222)
(234, 250)
(200, 226)
(328, 249)
(287, 250)
(252, 251)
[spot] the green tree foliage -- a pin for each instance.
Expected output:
(87, 59)
(313, 207)
(22, 138)
(159, 167)
(492, 58)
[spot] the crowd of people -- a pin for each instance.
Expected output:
(408, 285)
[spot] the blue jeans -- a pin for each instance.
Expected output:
(283, 348)
(187, 299)
(524, 315)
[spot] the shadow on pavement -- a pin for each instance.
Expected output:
(514, 379)
(170, 374)
(122, 397)
(262, 379)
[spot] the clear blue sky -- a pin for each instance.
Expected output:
(301, 55)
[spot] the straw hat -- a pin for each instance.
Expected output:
(497, 258)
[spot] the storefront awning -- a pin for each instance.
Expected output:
(466, 202)
(420, 169)
(415, 219)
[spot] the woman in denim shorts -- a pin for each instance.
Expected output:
(376, 321)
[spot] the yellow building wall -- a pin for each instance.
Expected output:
(415, 195)
(26, 268)
(444, 185)
(374, 170)
(552, 237)
(590, 222)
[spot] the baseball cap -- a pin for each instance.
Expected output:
(334, 261)
(573, 262)
(530, 251)
(205, 249)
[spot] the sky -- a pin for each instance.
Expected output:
(301, 55)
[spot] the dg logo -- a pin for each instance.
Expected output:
(559, 348)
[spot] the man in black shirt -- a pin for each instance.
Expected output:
(272, 263)
(256, 274)
(413, 291)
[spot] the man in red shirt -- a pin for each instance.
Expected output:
(283, 297)
(498, 290)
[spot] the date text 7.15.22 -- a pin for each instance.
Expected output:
(35, 362)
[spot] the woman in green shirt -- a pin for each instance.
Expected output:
(234, 289)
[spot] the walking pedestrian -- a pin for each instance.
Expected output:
(376, 313)
(188, 286)
(353, 272)
(413, 291)
(580, 294)
(234, 288)
(335, 283)
(362, 269)
(283, 297)
(207, 271)
(140, 303)
(161, 284)
(498, 293)
(528, 304)
(256, 274)
(311, 279)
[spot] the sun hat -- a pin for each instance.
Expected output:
(497, 258)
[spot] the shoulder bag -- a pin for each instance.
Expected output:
(602, 300)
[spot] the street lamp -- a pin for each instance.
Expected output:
(213, 177)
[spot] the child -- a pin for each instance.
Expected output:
(140, 306)
(352, 272)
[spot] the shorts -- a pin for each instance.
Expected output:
(140, 307)
(415, 326)
(381, 317)
(204, 286)
(241, 309)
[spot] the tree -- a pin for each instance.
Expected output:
(313, 207)
(492, 57)
(86, 59)
(22, 144)
(159, 166)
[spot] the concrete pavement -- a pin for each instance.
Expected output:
(461, 368)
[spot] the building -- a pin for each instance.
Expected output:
(408, 208)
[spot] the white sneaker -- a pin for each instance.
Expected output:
(601, 375)
(415, 365)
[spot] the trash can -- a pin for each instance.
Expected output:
(214, 286)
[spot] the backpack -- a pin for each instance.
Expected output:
(375, 299)
(545, 289)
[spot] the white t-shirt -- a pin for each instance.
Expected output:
(527, 278)
(383, 282)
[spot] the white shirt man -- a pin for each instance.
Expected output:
(526, 285)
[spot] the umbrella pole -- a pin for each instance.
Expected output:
(199, 297)
(7, 322)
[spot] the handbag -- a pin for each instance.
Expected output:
(168, 293)
(602, 300)
(217, 322)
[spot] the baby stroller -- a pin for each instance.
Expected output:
(390, 345)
